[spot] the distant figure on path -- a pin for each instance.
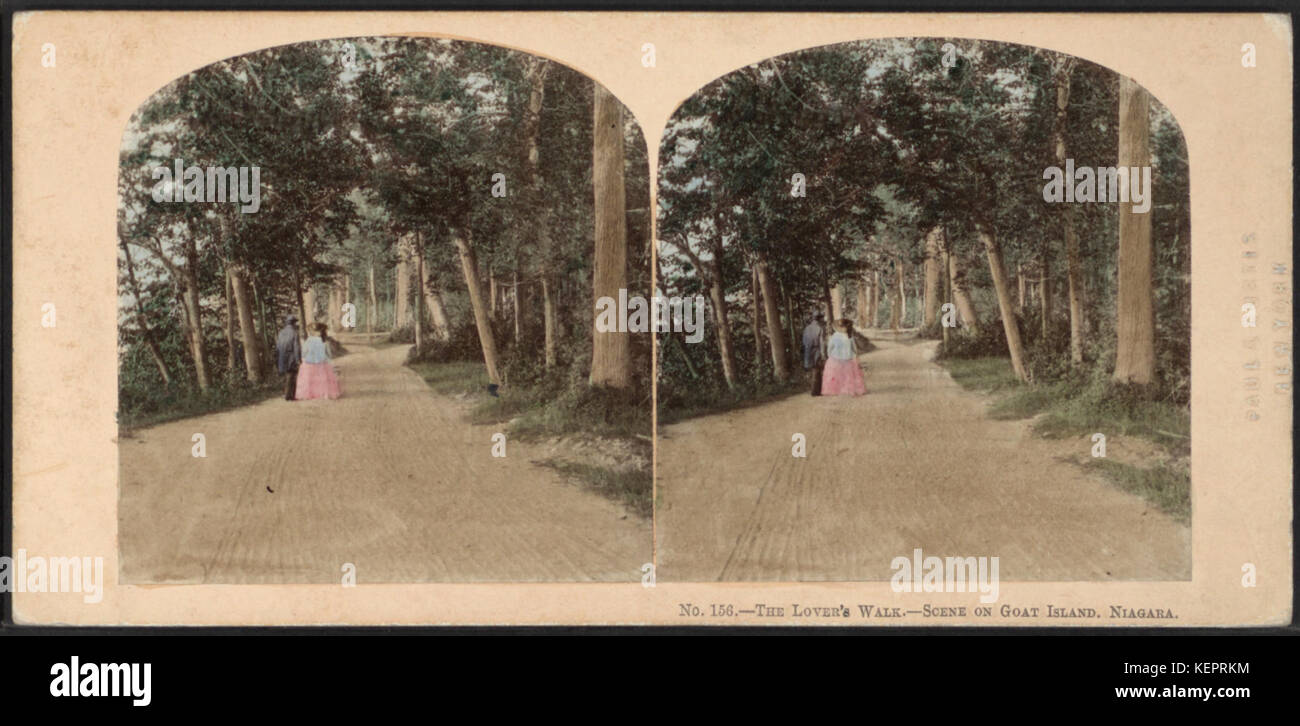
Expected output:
(843, 376)
(288, 354)
(814, 351)
(317, 378)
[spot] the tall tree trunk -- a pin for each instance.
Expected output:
(372, 310)
(247, 330)
(482, 317)
(419, 297)
(265, 342)
(1073, 269)
(897, 309)
(960, 295)
(874, 313)
(780, 366)
(150, 340)
(932, 276)
(549, 320)
(1045, 285)
(336, 304)
(790, 318)
(611, 362)
(514, 304)
(228, 297)
(303, 320)
(756, 315)
(537, 71)
(1005, 304)
(863, 302)
(437, 313)
(828, 305)
(1021, 284)
(194, 316)
(721, 319)
(401, 283)
(837, 301)
(1135, 360)
(309, 305)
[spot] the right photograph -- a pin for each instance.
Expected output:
(948, 314)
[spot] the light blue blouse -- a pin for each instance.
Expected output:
(840, 347)
(315, 351)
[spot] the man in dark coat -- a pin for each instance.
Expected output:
(814, 351)
(288, 354)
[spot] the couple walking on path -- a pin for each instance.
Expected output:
(834, 361)
(307, 374)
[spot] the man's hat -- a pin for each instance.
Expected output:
(291, 319)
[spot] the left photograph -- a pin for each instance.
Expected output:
(372, 321)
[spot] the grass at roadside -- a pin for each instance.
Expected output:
(1072, 408)
(744, 395)
(178, 403)
(541, 411)
(451, 379)
(1083, 407)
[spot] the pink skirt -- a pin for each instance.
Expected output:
(843, 378)
(317, 380)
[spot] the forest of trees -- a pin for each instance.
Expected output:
(466, 198)
(879, 180)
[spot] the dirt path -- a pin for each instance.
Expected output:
(914, 463)
(389, 478)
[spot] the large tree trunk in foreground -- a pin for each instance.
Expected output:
(482, 316)
(247, 330)
(611, 362)
(1135, 360)
(933, 267)
(780, 366)
(1006, 305)
(1073, 270)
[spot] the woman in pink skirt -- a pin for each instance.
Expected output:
(316, 377)
(842, 374)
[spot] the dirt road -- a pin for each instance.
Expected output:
(915, 463)
(389, 478)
